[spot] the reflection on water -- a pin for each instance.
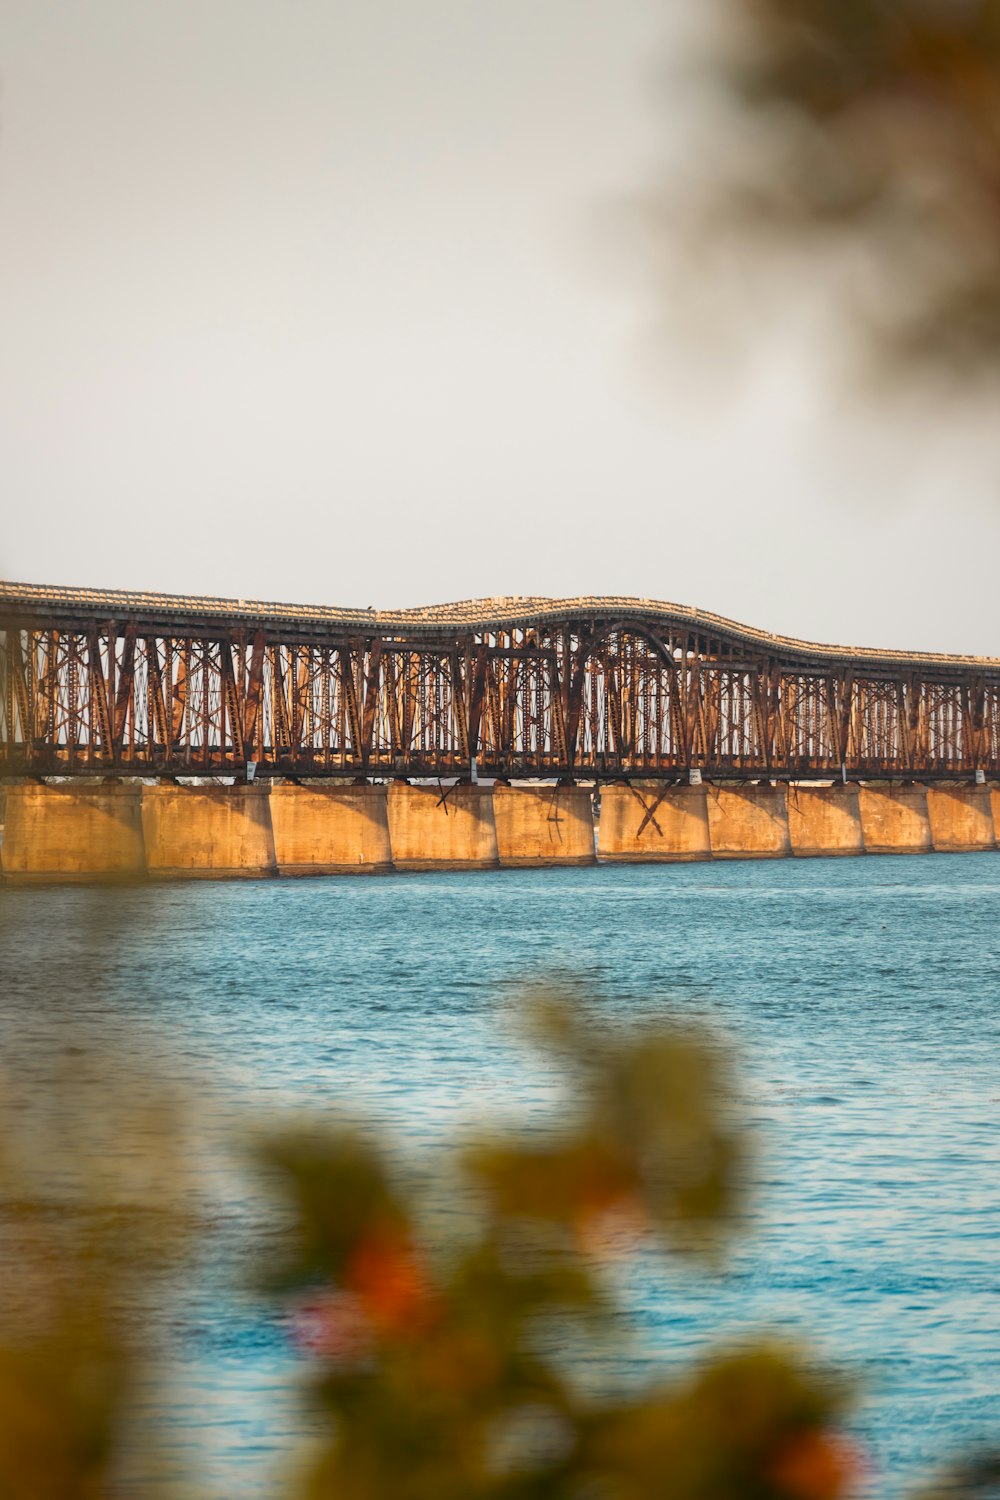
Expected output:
(863, 993)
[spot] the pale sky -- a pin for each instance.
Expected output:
(332, 301)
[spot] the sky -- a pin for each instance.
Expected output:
(343, 302)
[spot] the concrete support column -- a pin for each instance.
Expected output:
(648, 821)
(961, 817)
(76, 831)
(824, 820)
(544, 825)
(208, 833)
(330, 830)
(447, 828)
(748, 822)
(894, 819)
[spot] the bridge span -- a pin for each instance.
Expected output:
(604, 689)
(702, 737)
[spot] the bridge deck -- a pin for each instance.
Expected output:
(479, 616)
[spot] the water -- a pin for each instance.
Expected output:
(862, 993)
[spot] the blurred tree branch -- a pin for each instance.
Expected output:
(863, 137)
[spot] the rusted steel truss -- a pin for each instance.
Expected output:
(154, 686)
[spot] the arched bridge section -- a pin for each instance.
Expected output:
(134, 684)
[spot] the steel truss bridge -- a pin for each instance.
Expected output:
(126, 684)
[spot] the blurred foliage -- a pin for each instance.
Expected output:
(88, 1169)
(440, 1369)
(976, 1478)
(866, 134)
(447, 1355)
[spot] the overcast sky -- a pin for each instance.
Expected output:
(328, 301)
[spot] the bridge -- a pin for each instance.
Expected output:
(598, 688)
(158, 735)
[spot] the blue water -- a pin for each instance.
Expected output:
(864, 998)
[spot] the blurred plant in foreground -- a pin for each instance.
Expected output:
(87, 1175)
(457, 1350)
(866, 136)
(444, 1364)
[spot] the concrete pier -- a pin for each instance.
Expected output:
(894, 819)
(79, 831)
(647, 821)
(544, 825)
(330, 830)
(961, 817)
(433, 828)
(96, 830)
(824, 820)
(748, 822)
(201, 832)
